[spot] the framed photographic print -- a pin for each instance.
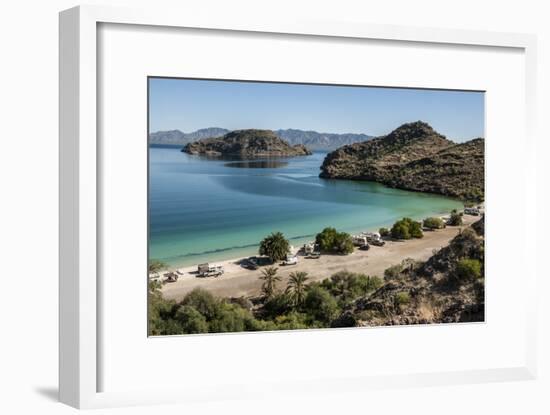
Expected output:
(228, 192)
(259, 229)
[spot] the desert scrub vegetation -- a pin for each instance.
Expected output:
(468, 269)
(299, 305)
(401, 299)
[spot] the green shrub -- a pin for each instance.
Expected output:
(415, 229)
(159, 311)
(433, 223)
(277, 305)
(400, 231)
(320, 305)
(330, 240)
(455, 219)
(203, 301)
(291, 321)
(406, 228)
(190, 320)
(230, 318)
(343, 244)
(384, 232)
(401, 298)
(468, 269)
(170, 327)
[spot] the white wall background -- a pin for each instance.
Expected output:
(28, 205)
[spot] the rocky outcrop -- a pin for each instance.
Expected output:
(427, 292)
(413, 157)
(246, 144)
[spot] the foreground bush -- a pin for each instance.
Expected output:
(347, 286)
(202, 301)
(401, 299)
(320, 305)
(191, 320)
(468, 269)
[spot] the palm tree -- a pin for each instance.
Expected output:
(297, 287)
(270, 279)
(275, 246)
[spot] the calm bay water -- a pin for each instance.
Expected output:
(210, 210)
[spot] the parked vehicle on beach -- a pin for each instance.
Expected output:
(290, 260)
(364, 247)
(250, 263)
(314, 255)
(374, 238)
(471, 211)
(308, 248)
(171, 277)
(378, 242)
(207, 270)
(372, 235)
(359, 240)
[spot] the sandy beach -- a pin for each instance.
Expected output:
(238, 281)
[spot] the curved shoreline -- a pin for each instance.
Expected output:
(237, 281)
(252, 249)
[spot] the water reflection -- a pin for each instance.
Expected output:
(258, 164)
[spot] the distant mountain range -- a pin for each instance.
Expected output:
(311, 139)
(176, 137)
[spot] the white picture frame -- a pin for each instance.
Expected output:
(80, 169)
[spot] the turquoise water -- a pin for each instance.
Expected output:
(210, 210)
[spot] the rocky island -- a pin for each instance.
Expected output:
(413, 157)
(246, 144)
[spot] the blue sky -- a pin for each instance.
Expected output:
(188, 105)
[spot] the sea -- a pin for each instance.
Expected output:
(208, 210)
